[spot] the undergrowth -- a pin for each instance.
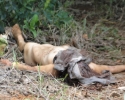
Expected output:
(35, 16)
(32, 14)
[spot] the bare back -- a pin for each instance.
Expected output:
(41, 54)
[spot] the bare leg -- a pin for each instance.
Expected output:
(16, 31)
(113, 69)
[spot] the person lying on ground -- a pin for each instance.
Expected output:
(54, 60)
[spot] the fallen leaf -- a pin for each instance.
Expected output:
(85, 36)
(3, 44)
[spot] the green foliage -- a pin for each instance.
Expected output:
(1, 26)
(31, 24)
(32, 14)
(3, 44)
(46, 4)
(55, 14)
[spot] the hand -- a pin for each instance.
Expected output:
(5, 62)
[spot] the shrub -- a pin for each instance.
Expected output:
(32, 14)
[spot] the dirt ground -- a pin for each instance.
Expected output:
(23, 85)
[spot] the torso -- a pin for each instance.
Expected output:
(54, 52)
(41, 54)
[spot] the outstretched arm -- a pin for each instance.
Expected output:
(49, 69)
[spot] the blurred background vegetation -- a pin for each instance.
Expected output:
(32, 14)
